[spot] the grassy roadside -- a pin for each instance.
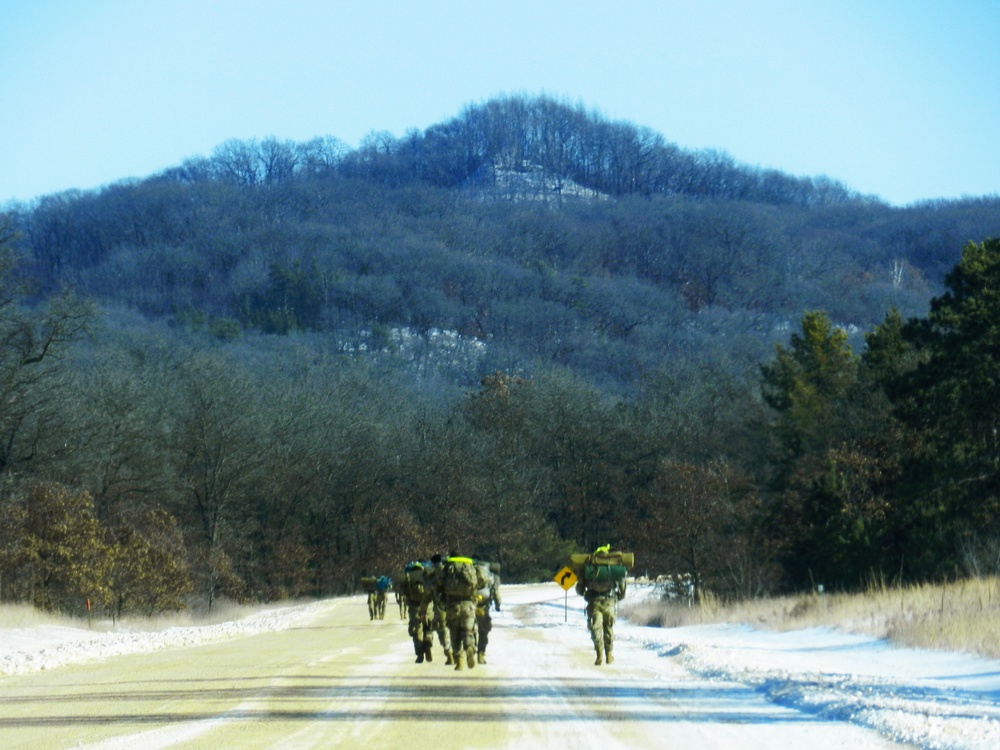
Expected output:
(961, 616)
(25, 616)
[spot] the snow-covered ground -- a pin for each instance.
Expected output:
(930, 699)
(925, 698)
(24, 650)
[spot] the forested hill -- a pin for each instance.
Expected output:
(531, 228)
(523, 331)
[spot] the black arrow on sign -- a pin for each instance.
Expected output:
(562, 581)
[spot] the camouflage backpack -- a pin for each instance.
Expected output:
(602, 577)
(413, 582)
(461, 578)
(485, 570)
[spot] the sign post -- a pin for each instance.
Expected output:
(567, 579)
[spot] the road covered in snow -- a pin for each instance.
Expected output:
(322, 675)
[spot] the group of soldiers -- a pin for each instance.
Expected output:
(452, 596)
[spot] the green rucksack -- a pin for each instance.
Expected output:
(603, 569)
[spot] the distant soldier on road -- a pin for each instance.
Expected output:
(487, 597)
(400, 602)
(603, 585)
(371, 589)
(412, 586)
(382, 586)
(433, 608)
(459, 582)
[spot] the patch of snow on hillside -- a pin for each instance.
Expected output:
(534, 182)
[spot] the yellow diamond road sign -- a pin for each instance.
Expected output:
(566, 578)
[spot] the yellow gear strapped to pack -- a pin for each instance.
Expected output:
(600, 550)
(467, 560)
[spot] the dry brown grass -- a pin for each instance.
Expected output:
(961, 616)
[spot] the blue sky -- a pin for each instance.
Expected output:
(896, 98)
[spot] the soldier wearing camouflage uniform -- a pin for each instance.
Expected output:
(413, 586)
(460, 606)
(488, 596)
(602, 608)
(432, 609)
(400, 601)
(370, 588)
(382, 586)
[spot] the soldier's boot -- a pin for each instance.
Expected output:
(481, 657)
(427, 652)
(608, 658)
(420, 652)
(447, 658)
(458, 660)
(600, 658)
(471, 653)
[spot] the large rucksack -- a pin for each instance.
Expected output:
(461, 578)
(602, 577)
(602, 570)
(414, 580)
(488, 570)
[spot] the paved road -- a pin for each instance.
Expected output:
(342, 681)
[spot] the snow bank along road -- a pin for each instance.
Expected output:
(323, 675)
